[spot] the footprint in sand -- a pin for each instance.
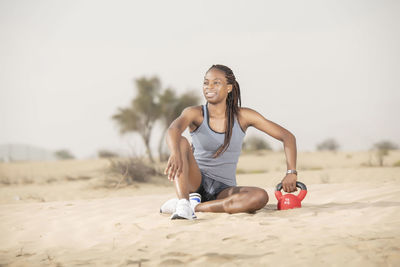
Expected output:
(174, 254)
(172, 235)
(269, 238)
(228, 238)
(219, 257)
(143, 249)
(237, 238)
(171, 262)
(182, 235)
(137, 262)
(223, 258)
(137, 226)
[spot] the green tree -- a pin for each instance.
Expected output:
(171, 107)
(143, 112)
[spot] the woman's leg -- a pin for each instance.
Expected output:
(190, 178)
(236, 199)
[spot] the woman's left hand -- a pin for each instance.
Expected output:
(289, 183)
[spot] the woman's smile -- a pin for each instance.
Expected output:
(211, 94)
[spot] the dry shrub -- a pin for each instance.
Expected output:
(255, 143)
(329, 144)
(103, 153)
(132, 170)
(19, 181)
(5, 180)
(63, 154)
(382, 150)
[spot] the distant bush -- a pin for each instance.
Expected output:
(329, 144)
(132, 170)
(103, 153)
(385, 145)
(254, 143)
(64, 154)
(382, 149)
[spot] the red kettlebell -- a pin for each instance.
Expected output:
(290, 201)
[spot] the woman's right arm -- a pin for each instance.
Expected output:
(174, 134)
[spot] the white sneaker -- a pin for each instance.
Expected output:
(183, 210)
(170, 205)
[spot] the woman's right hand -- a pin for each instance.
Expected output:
(174, 166)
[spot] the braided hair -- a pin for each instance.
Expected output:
(233, 102)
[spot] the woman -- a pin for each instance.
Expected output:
(206, 170)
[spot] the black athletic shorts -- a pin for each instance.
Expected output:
(210, 188)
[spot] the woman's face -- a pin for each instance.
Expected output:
(215, 87)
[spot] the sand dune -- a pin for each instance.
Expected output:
(350, 217)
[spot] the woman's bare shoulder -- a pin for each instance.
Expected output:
(246, 112)
(195, 116)
(247, 116)
(193, 111)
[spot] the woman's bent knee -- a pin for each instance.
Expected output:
(258, 200)
(246, 201)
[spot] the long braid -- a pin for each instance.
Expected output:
(233, 102)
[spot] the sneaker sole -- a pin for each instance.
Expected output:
(177, 217)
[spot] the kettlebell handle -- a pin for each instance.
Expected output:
(298, 184)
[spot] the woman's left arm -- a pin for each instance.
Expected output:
(255, 119)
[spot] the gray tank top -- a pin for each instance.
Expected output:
(205, 143)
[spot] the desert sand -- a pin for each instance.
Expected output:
(59, 214)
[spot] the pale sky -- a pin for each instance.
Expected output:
(318, 68)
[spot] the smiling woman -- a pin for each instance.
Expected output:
(204, 173)
(217, 87)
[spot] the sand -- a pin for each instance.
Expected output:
(56, 214)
